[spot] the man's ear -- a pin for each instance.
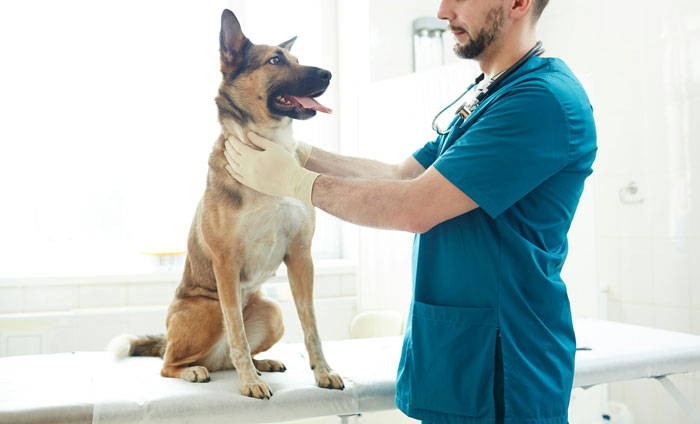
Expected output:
(520, 8)
(289, 43)
(232, 42)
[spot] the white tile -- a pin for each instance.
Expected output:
(694, 202)
(695, 321)
(10, 300)
(614, 312)
(638, 314)
(43, 299)
(636, 270)
(23, 344)
(618, 219)
(93, 332)
(696, 400)
(642, 400)
(97, 338)
(669, 195)
(672, 318)
(694, 124)
(327, 286)
(150, 294)
(609, 262)
(349, 284)
(671, 272)
(694, 270)
(99, 295)
(147, 322)
(618, 391)
(60, 340)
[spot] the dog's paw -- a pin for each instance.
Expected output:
(269, 365)
(195, 374)
(256, 389)
(329, 379)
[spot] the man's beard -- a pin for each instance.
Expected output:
(490, 32)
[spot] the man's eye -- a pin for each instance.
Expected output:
(274, 61)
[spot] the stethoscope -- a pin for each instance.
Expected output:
(467, 108)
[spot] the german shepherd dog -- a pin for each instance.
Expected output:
(219, 319)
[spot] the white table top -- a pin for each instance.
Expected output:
(92, 387)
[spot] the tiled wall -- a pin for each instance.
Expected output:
(83, 314)
(640, 62)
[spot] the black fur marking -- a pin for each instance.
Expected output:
(232, 195)
(231, 109)
(148, 346)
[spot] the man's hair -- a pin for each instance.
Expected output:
(537, 8)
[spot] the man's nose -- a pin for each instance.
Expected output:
(446, 11)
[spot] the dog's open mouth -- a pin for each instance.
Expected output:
(289, 102)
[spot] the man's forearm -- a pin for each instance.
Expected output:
(328, 163)
(372, 203)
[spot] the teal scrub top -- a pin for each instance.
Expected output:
(490, 322)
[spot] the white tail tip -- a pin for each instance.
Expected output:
(120, 346)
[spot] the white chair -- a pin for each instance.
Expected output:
(383, 323)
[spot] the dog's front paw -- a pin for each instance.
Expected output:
(269, 365)
(256, 389)
(328, 379)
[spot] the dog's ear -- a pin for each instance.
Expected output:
(232, 42)
(289, 43)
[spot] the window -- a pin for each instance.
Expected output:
(108, 120)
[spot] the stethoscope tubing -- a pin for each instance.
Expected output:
(465, 110)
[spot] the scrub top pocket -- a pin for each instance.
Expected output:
(453, 356)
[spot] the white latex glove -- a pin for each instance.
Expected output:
(303, 151)
(272, 171)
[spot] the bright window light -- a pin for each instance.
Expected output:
(108, 120)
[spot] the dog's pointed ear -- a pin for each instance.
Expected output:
(232, 43)
(289, 43)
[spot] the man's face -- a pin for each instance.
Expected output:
(475, 24)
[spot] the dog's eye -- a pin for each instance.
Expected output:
(274, 61)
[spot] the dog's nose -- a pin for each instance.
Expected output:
(324, 75)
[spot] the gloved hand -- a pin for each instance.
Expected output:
(272, 171)
(303, 151)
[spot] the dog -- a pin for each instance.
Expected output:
(218, 318)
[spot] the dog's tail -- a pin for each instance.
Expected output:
(126, 345)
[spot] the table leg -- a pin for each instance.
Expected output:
(678, 396)
(349, 419)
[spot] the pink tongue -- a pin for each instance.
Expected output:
(309, 103)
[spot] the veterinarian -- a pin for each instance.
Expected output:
(489, 337)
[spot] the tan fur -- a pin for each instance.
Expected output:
(238, 238)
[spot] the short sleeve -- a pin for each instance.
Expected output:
(517, 143)
(427, 154)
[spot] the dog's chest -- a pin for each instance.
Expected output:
(268, 231)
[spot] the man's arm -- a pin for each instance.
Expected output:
(333, 164)
(414, 205)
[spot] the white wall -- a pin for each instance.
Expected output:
(640, 62)
(56, 315)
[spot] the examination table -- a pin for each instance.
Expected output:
(91, 387)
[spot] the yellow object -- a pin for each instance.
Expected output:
(177, 252)
(272, 171)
